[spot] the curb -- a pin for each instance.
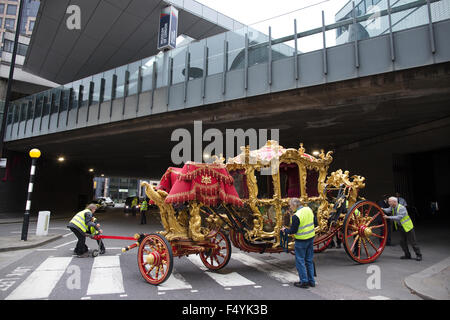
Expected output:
(52, 238)
(423, 283)
(11, 221)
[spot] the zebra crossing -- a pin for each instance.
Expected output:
(113, 275)
(106, 277)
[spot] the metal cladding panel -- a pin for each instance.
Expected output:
(159, 100)
(82, 114)
(93, 115)
(213, 89)
(258, 81)
(117, 110)
(441, 36)
(44, 125)
(374, 56)
(341, 63)
(311, 69)
(53, 121)
(235, 85)
(62, 121)
(283, 75)
(145, 102)
(176, 97)
(72, 119)
(415, 41)
(130, 106)
(194, 93)
(21, 128)
(105, 109)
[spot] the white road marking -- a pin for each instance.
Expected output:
(41, 282)
(67, 234)
(64, 244)
(174, 282)
(106, 276)
(123, 295)
(46, 249)
(379, 298)
(232, 279)
(85, 298)
(272, 271)
(194, 291)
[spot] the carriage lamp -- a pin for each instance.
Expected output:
(91, 170)
(61, 159)
(316, 152)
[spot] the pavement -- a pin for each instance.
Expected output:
(432, 283)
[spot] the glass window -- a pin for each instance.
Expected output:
(120, 88)
(23, 110)
(133, 69)
(97, 79)
(108, 76)
(16, 112)
(179, 61)
(12, 9)
(147, 72)
(161, 69)
(38, 107)
(1, 22)
(236, 50)
(30, 110)
(46, 104)
(2, 8)
(55, 101)
(215, 53)
(85, 93)
(197, 52)
(8, 46)
(9, 23)
(75, 94)
(31, 26)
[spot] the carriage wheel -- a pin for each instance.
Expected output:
(321, 246)
(155, 259)
(364, 232)
(218, 257)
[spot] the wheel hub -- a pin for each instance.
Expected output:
(364, 231)
(154, 258)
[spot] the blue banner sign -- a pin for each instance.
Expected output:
(168, 28)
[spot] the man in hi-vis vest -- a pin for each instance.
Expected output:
(302, 227)
(400, 216)
(80, 225)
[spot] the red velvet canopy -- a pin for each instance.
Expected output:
(206, 183)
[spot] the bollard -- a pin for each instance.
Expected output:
(43, 223)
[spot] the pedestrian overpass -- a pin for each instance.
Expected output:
(234, 65)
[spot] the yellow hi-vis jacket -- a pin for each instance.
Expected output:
(79, 220)
(406, 221)
(306, 227)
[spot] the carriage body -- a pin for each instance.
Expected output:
(204, 206)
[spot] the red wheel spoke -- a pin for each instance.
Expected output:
(378, 226)
(365, 248)
(371, 243)
(368, 211)
(359, 248)
(373, 218)
(378, 236)
(354, 242)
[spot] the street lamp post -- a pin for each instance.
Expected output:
(34, 154)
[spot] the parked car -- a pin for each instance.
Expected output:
(108, 201)
(101, 205)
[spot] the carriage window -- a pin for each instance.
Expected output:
(265, 185)
(312, 177)
(240, 183)
(289, 180)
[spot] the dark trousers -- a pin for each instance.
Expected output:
(304, 253)
(143, 217)
(389, 231)
(81, 246)
(409, 238)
